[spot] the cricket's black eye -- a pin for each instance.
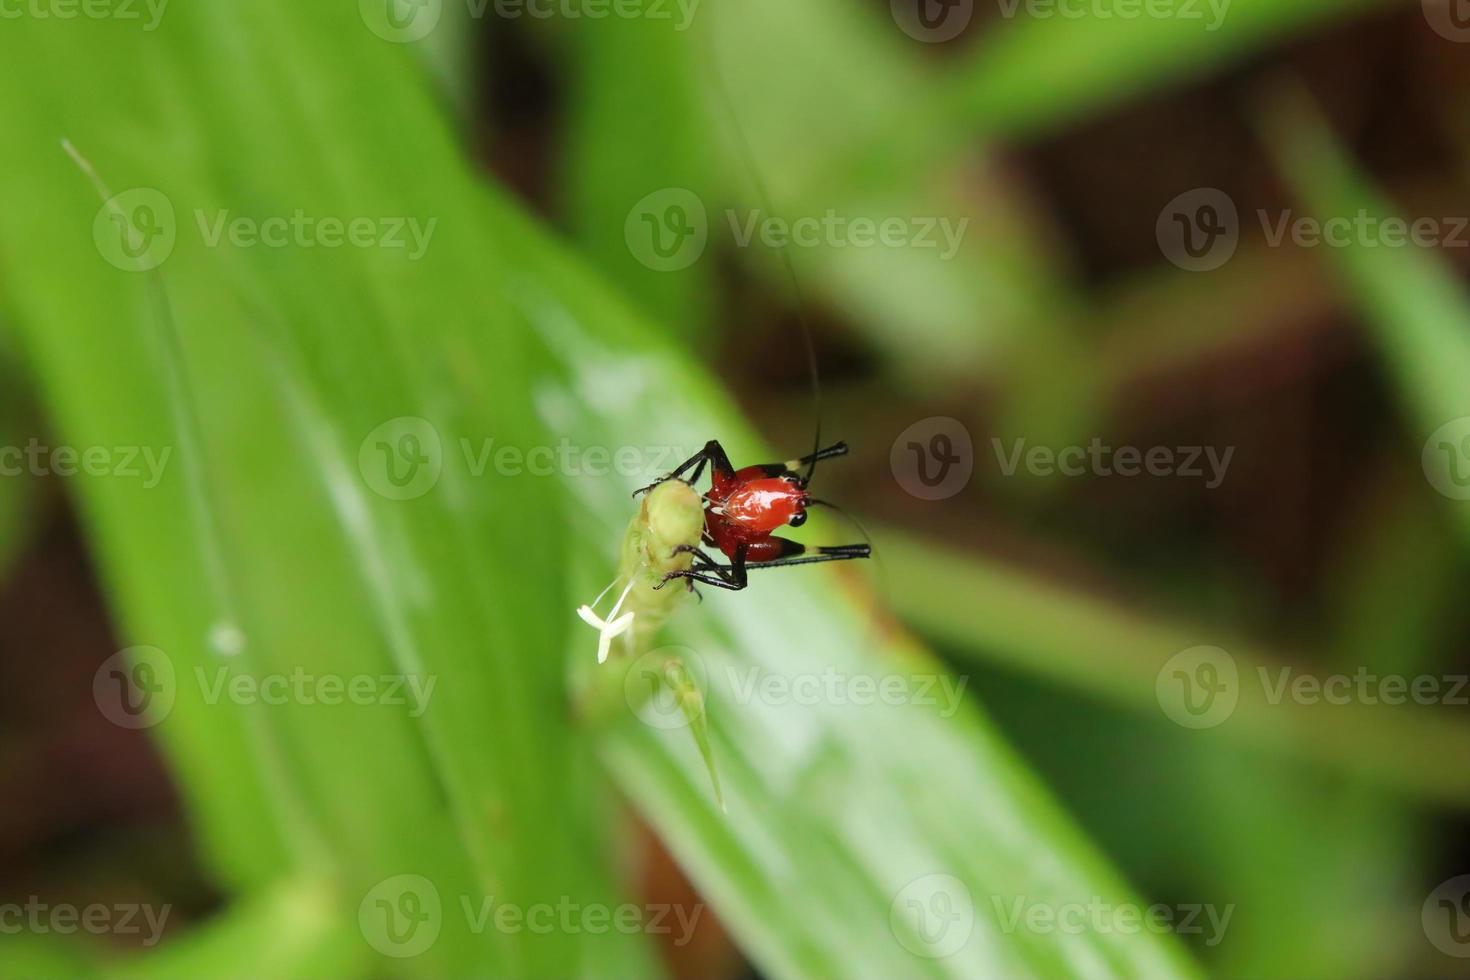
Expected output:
(798, 519)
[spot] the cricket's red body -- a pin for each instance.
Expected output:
(744, 507)
(747, 505)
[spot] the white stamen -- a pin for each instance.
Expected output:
(613, 626)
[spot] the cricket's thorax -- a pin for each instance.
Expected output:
(763, 505)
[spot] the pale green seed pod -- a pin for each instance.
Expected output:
(671, 516)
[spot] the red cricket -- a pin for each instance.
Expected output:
(744, 507)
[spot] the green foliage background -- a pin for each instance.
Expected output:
(266, 369)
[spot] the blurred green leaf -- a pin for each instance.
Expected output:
(638, 124)
(835, 818)
(1414, 305)
(292, 929)
(1040, 72)
(265, 552)
(1115, 653)
(279, 522)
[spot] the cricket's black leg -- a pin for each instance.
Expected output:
(792, 467)
(712, 453)
(844, 552)
(731, 576)
(831, 452)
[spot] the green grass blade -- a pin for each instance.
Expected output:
(294, 357)
(1037, 73)
(838, 830)
(835, 816)
(1115, 654)
(1414, 306)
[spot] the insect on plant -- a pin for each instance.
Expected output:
(739, 515)
(663, 555)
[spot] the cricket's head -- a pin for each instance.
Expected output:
(673, 515)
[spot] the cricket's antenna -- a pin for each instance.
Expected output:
(764, 197)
